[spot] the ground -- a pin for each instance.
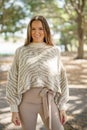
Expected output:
(77, 105)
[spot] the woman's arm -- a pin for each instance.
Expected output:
(12, 84)
(63, 82)
(64, 94)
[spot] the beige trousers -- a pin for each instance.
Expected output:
(39, 101)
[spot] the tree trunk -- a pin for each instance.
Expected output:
(80, 38)
(66, 48)
(80, 49)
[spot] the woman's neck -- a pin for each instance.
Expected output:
(38, 44)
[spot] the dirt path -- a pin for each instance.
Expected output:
(77, 105)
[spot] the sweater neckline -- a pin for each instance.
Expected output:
(33, 44)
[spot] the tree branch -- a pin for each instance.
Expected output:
(83, 4)
(74, 6)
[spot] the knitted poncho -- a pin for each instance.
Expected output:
(36, 65)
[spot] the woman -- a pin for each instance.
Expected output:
(37, 80)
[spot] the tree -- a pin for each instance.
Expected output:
(12, 15)
(77, 11)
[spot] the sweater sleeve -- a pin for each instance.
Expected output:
(64, 88)
(63, 83)
(12, 85)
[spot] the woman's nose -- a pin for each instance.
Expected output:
(36, 31)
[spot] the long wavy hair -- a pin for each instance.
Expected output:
(47, 38)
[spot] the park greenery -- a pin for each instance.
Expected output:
(68, 18)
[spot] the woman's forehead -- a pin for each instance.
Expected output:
(36, 23)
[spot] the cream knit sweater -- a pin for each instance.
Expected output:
(36, 65)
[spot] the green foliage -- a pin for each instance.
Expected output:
(12, 16)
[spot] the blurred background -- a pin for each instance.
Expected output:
(68, 23)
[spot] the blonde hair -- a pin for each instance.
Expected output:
(45, 25)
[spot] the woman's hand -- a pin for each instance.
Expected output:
(16, 118)
(63, 117)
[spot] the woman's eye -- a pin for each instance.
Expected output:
(40, 28)
(33, 28)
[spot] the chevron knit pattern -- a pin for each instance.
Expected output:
(36, 65)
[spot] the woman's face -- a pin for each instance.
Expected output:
(37, 31)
